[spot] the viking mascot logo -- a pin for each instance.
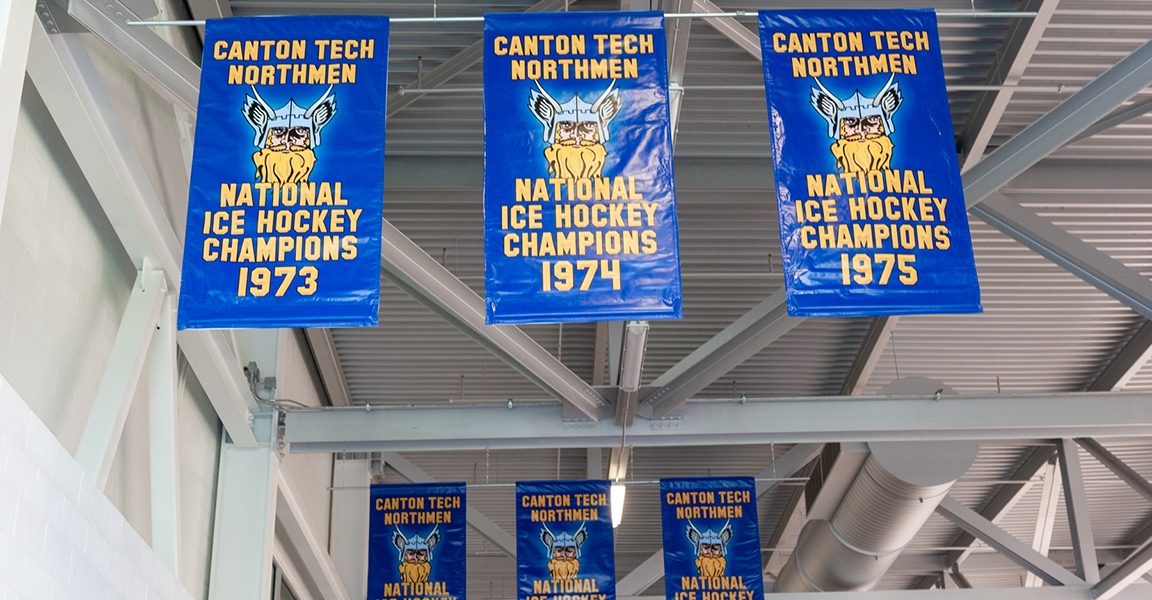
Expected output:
(415, 555)
(861, 126)
(286, 136)
(575, 130)
(711, 549)
(564, 551)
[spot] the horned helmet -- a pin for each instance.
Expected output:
(857, 106)
(292, 117)
(404, 543)
(564, 540)
(700, 538)
(598, 113)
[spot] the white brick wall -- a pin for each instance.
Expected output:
(60, 537)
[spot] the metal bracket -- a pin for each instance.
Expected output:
(55, 18)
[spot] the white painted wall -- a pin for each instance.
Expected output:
(64, 283)
(59, 536)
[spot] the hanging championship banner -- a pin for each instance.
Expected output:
(579, 204)
(872, 215)
(286, 196)
(417, 541)
(711, 539)
(564, 546)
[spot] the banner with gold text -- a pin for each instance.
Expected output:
(564, 545)
(579, 203)
(286, 196)
(872, 215)
(417, 542)
(711, 539)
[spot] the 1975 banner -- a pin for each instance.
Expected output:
(579, 206)
(872, 215)
(285, 203)
(417, 541)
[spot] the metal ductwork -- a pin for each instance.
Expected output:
(895, 492)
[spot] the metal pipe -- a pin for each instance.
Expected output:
(793, 480)
(737, 14)
(750, 88)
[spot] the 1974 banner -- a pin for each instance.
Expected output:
(872, 215)
(579, 206)
(286, 198)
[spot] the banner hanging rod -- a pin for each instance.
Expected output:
(738, 14)
(710, 88)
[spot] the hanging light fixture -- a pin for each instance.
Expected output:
(617, 498)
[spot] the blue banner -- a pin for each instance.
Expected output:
(564, 545)
(872, 215)
(711, 539)
(286, 197)
(417, 541)
(579, 203)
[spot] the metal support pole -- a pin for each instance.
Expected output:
(348, 537)
(1076, 501)
(121, 375)
(163, 406)
(245, 524)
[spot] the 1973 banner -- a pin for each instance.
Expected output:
(417, 542)
(564, 545)
(872, 215)
(579, 206)
(285, 203)
(711, 539)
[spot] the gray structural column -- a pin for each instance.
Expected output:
(242, 541)
(348, 537)
(17, 18)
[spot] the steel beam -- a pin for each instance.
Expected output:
(68, 82)
(968, 520)
(245, 524)
(676, 32)
(791, 519)
(1130, 570)
(1000, 504)
(462, 61)
(17, 18)
(163, 446)
(482, 524)
(1047, 593)
(328, 364)
(1048, 133)
(875, 341)
(121, 376)
(348, 536)
(738, 342)
(776, 420)
(1012, 58)
(730, 28)
(411, 269)
(1045, 518)
(1076, 502)
(209, 9)
(1067, 251)
(300, 532)
(1135, 110)
(1127, 363)
(1114, 464)
(652, 569)
(160, 65)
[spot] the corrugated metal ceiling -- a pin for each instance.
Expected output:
(1043, 329)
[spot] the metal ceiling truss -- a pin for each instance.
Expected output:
(875, 341)
(775, 420)
(1013, 56)
(1127, 363)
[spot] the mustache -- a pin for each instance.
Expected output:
(573, 161)
(861, 155)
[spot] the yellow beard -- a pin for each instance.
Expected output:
(566, 160)
(414, 572)
(854, 155)
(276, 166)
(563, 569)
(708, 566)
